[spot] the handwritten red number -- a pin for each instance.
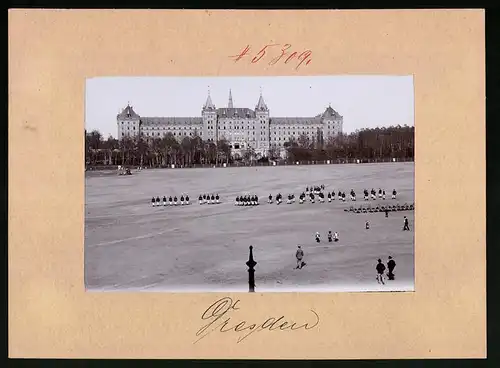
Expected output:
(304, 57)
(292, 55)
(243, 53)
(283, 51)
(262, 52)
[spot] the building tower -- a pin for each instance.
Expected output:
(128, 123)
(262, 121)
(230, 103)
(209, 117)
(332, 123)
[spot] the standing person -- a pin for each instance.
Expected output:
(300, 256)
(164, 201)
(200, 199)
(379, 193)
(270, 199)
(170, 200)
(386, 212)
(406, 226)
(182, 199)
(153, 202)
(390, 266)
(217, 198)
(317, 237)
(158, 201)
(175, 201)
(329, 197)
(336, 236)
(330, 237)
(380, 272)
(383, 194)
(187, 199)
(394, 194)
(367, 225)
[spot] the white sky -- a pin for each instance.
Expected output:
(363, 101)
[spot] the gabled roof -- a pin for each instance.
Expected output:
(128, 113)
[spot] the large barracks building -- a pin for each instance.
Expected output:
(242, 127)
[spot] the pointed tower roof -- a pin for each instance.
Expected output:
(128, 113)
(330, 113)
(209, 105)
(261, 105)
(230, 103)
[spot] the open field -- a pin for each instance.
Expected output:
(130, 245)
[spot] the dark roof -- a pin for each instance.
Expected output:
(295, 120)
(128, 113)
(330, 113)
(172, 120)
(227, 112)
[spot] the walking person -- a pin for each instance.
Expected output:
(391, 264)
(300, 256)
(380, 272)
(406, 226)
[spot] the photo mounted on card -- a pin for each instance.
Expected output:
(309, 179)
(247, 184)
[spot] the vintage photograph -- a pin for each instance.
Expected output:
(249, 184)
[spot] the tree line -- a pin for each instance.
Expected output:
(365, 145)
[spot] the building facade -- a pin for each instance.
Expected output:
(241, 127)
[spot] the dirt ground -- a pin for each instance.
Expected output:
(129, 245)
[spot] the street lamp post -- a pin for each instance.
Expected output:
(251, 271)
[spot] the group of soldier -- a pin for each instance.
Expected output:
(172, 201)
(318, 191)
(386, 209)
(208, 199)
(247, 200)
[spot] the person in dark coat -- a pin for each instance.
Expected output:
(390, 266)
(406, 226)
(330, 236)
(153, 201)
(380, 272)
(164, 200)
(386, 212)
(299, 254)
